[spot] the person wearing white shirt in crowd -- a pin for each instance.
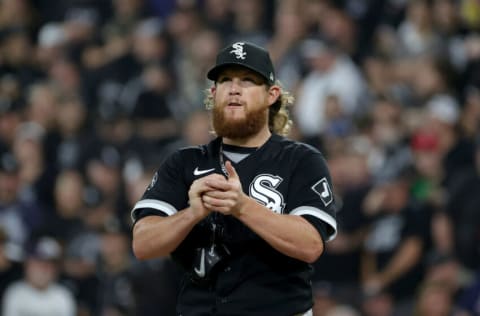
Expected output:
(331, 73)
(39, 293)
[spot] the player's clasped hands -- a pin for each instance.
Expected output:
(224, 195)
(197, 189)
(216, 193)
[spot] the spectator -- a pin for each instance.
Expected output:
(434, 299)
(39, 293)
(445, 270)
(153, 121)
(343, 310)
(11, 268)
(51, 44)
(250, 22)
(11, 106)
(17, 218)
(468, 301)
(340, 265)
(16, 14)
(288, 32)
(416, 33)
(462, 206)
(36, 174)
(218, 16)
(331, 73)
(65, 220)
(381, 303)
(15, 45)
(199, 55)
(73, 132)
(115, 286)
(392, 259)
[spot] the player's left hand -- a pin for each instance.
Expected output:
(226, 195)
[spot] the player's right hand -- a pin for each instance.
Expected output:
(197, 189)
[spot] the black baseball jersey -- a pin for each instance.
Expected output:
(287, 177)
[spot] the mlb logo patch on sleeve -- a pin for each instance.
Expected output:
(322, 188)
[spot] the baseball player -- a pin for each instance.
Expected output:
(246, 214)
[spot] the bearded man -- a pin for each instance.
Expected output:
(246, 214)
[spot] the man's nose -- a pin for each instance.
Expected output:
(235, 86)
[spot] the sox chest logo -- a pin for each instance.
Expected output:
(238, 50)
(263, 189)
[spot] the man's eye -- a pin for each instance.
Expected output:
(224, 79)
(249, 79)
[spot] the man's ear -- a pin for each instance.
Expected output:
(273, 94)
(213, 89)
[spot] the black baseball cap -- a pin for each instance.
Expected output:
(247, 55)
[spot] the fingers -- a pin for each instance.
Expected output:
(198, 187)
(221, 205)
(232, 173)
(204, 184)
(222, 195)
(225, 202)
(218, 184)
(213, 177)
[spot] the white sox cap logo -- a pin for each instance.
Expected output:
(238, 50)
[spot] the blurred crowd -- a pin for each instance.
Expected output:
(95, 93)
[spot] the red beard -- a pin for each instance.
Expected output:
(253, 122)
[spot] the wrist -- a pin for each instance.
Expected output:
(242, 206)
(196, 214)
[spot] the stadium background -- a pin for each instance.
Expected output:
(93, 95)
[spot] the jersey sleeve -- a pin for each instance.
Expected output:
(312, 196)
(167, 193)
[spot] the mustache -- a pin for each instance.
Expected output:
(245, 127)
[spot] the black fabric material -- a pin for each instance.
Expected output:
(246, 55)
